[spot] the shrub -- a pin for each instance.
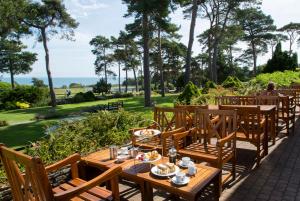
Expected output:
(86, 135)
(122, 95)
(4, 86)
(188, 93)
(281, 79)
(22, 105)
(102, 87)
(232, 82)
(208, 85)
(78, 98)
(89, 96)
(75, 85)
(3, 123)
(28, 94)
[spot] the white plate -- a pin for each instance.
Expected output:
(181, 165)
(154, 171)
(184, 182)
(144, 161)
(139, 133)
(122, 158)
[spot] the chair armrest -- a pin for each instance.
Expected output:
(67, 161)
(107, 175)
(226, 139)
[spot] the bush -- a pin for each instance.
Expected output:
(22, 105)
(208, 85)
(281, 61)
(4, 86)
(232, 82)
(89, 96)
(190, 91)
(78, 98)
(3, 123)
(281, 79)
(83, 97)
(75, 85)
(122, 95)
(102, 87)
(86, 135)
(25, 94)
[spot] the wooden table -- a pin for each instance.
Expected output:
(269, 111)
(205, 176)
(139, 173)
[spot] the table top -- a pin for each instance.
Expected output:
(263, 108)
(101, 159)
(203, 177)
(141, 172)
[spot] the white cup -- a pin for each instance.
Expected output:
(192, 169)
(180, 177)
(185, 160)
(124, 150)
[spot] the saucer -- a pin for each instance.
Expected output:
(184, 182)
(182, 165)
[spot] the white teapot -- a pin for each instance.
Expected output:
(192, 169)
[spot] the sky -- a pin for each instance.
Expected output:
(105, 17)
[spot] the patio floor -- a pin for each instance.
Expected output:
(277, 178)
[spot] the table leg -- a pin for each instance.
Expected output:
(115, 188)
(274, 129)
(148, 192)
(217, 182)
(265, 143)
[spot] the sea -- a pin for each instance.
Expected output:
(61, 81)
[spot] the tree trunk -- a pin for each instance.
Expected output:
(12, 80)
(135, 79)
(254, 58)
(119, 76)
(191, 41)
(162, 81)
(214, 62)
(291, 43)
(126, 80)
(52, 93)
(147, 79)
(105, 67)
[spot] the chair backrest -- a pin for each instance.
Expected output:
(248, 120)
(31, 186)
(167, 139)
(268, 100)
(165, 117)
(227, 100)
(189, 112)
(215, 123)
(235, 100)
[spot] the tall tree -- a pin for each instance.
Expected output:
(47, 18)
(274, 39)
(117, 56)
(104, 60)
(193, 9)
(144, 12)
(14, 60)
(257, 27)
(293, 31)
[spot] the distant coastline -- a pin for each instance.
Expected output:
(61, 81)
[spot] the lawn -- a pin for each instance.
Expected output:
(24, 129)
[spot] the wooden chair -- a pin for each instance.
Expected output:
(218, 153)
(251, 128)
(287, 113)
(227, 100)
(271, 100)
(189, 111)
(162, 142)
(34, 185)
(165, 118)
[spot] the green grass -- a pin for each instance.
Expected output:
(25, 129)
